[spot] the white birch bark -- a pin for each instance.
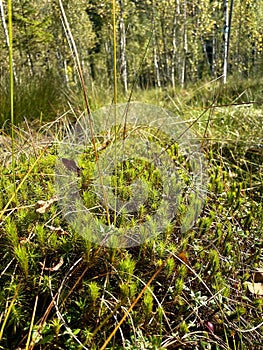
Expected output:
(185, 44)
(174, 41)
(123, 48)
(226, 32)
(2, 14)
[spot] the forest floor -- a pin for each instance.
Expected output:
(195, 289)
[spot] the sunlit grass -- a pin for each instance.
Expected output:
(183, 290)
(221, 250)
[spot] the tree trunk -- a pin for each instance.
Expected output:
(213, 66)
(166, 73)
(123, 65)
(185, 49)
(155, 51)
(2, 14)
(226, 33)
(174, 40)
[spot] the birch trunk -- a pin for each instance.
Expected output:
(166, 73)
(123, 48)
(155, 51)
(2, 14)
(226, 32)
(174, 40)
(185, 50)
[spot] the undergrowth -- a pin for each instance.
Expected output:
(61, 291)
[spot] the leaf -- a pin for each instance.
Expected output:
(53, 268)
(71, 165)
(183, 257)
(43, 206)
(255, 288)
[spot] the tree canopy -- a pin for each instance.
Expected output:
(160, 43)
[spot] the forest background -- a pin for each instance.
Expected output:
(161, 44)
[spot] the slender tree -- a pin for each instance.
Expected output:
(185, 45)
(3, 19)
(123, 65)
(226, 41)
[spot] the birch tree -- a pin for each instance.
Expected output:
(123, 60)
(3, 20)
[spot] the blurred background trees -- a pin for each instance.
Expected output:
(165, 43)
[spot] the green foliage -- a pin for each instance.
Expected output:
(11, 233)
(94, 291)
(148, 303)
(96, 285)
(21, 254)
(82, 290)
(36, 98)
(127, 266)
(188, 37)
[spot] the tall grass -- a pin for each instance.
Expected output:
(37, 99)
